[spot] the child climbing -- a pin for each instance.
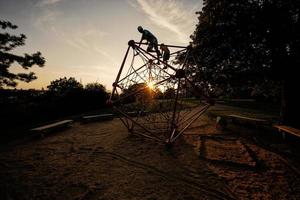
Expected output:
(166, 54)
(151, 39)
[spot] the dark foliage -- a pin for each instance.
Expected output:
(66, 97)
(8, 43)
(250, 45)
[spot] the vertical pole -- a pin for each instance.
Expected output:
(119, 74)
(186, 57)
(150, 72)
(173, 126)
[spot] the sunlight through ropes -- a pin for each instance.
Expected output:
(155, 98)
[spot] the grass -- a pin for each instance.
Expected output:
(267, 107)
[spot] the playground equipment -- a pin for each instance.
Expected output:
(158, 99)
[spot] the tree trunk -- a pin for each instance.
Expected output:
(290, 104)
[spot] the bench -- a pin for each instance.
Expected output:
(51, 127)
(222, 120)
(287, 129)
(102, 117)
(137, 113)
(255, 121)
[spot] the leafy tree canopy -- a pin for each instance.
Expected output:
(244, 43)
(8, 43)
(95, 87)
(64, 86)
(247, 41)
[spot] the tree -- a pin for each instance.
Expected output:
(250, 42)
(66, 95)
(95, 87)
(96, 94)
(138, 92)
(158, 94)
(170, 93)
(8, 43)
(65, 86)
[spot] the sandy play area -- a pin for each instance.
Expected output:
(102, 161)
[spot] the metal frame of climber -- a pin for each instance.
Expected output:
(175, 75)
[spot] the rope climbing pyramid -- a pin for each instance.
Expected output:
(157, 98)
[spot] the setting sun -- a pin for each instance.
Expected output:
(151, 85)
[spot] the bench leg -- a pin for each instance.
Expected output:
(42, 135)
(282, 134)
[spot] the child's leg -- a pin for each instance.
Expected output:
(165, 59)
(157, 50)
(150, 47)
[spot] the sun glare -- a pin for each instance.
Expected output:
(150, 85)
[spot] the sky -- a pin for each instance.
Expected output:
(87, 39)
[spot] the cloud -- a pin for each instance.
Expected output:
(47, 2)
(88, 43)
(172, 15)
(47, 18)
(86, 38)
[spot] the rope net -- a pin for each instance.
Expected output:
(154, 98)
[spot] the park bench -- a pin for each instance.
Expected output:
(287, 129)
(51, 127)
(222, 120)
(249, 120)
(101, 117)
(135, 114)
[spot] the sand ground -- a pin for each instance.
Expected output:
(102, 161)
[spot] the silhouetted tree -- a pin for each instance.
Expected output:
(67, 94)
(158, 94)
(8, 43)
(136, 92)
(96, 94)
(64, 86)
(95, 87)
(169, 93)
(250, 42)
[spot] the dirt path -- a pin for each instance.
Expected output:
(101, 161)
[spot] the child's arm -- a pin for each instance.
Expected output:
(142, 38)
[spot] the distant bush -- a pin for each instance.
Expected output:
(64, 97)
